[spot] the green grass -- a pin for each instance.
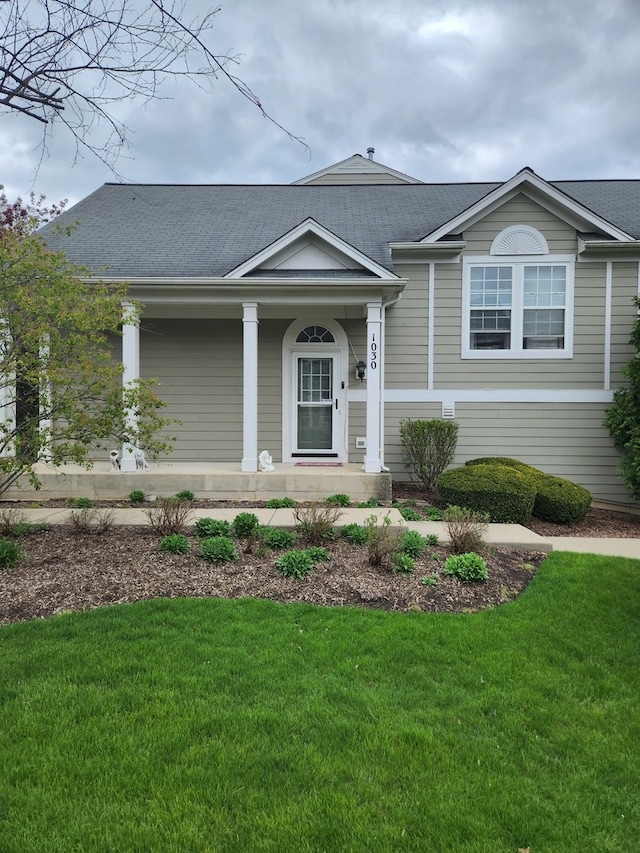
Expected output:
(205, 725)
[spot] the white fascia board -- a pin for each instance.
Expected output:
(346, 291)
(556, 200)
(555, 396)
(310, 226)
(630, 250)
(444, 250)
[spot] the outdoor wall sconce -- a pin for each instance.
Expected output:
(361, 369)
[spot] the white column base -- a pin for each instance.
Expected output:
(249, 465)
(372, 466)
(127, 459)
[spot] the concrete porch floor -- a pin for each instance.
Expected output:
(215, 481)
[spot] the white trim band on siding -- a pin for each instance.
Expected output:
(488, 395)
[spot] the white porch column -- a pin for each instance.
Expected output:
(372, 463)
(46, 422)
(249, 386)
(131, 373)
(7, 392)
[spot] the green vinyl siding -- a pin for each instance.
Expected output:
(198, 364)
(567, 440)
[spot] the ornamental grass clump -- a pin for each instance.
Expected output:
(10, 553)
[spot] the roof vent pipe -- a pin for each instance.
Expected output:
(370, 153)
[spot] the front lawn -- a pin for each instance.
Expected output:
(218, 725)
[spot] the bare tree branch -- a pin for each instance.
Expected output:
(72, 60)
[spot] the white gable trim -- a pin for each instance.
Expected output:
(542, 192)
(310, 226)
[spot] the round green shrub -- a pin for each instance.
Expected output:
(561, 501)
(136, 496)
(507, 495)
(218, 549)
(557, 500)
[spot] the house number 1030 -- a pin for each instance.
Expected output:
(373, 352)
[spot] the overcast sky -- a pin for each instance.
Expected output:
(444, 90)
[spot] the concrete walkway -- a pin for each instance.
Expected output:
(498, 535)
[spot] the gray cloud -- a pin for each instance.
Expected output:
(443, 90)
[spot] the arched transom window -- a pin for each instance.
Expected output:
(315, 335)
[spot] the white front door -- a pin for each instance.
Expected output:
(316, 412)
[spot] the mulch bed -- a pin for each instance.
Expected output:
(64, 570)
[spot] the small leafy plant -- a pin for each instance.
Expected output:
(372, 503)
(402, 563)
(205, 527)
(430, 580)
(218, 549)
(409, 513)
(280, 503)
(176, 543)
(10, 553)
(185, 495)
(80, 503)
(295, 564)
(244, 524)
(467, 567)
(277, 538)
(413, 544)
(354, 533)
(318, 554)
(137, 496)
(337, 500)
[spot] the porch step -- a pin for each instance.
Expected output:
(213, 481)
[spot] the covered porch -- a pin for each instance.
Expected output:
(207, 480)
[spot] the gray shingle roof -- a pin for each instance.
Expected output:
(149, 230)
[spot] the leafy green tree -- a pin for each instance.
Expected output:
(623, 417)
(61, 394)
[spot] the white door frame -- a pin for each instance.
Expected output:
(291, 351)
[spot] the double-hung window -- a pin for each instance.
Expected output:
(519, 307)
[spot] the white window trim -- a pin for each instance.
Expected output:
(516, 351)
